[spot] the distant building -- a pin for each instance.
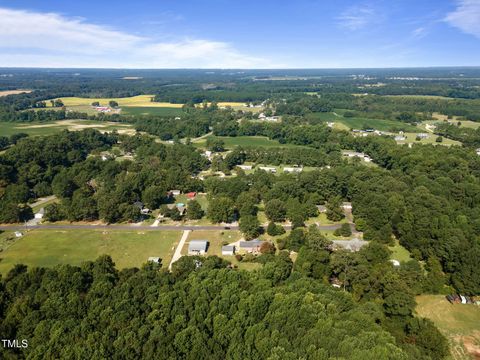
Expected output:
(478, 151)
(197, 247)
(322, 208)
(245, 167)
(395, 263)
(423, 135)
(400, 138)
(191, 195)
(251, 247)
(294, 169)
(360, 155)
(268, 169)
(18, 234)
(347, 205)
(175, 192)
(228, 250)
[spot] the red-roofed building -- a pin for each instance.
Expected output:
(191, 195)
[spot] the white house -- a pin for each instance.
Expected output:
(294, 169)
(400, 138)
(268, 169)
(18, 234)
(175, 192)
(478, 151)
(245, 167)
(395, 263)
(228, 250)
(197, 247)
(423, 135)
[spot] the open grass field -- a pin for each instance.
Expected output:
(51, 247)
(245, 141)
(460, 323)
(49, 128)
(136, 101)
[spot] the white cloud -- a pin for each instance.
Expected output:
(466, 17)
(357, 17)
(51, 40)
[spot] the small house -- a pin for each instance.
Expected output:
(478, 151)
(321, 208)
(245, 167)
(251, 247)
(268, 169)
(294, 169)
(154, 259)
(423, 136)
(347, 205)
(18, 234)
(175, 192)
(228, 250)
(197, 247)
(395, 263)
(400, 138)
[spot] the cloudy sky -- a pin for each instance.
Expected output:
(239, 34)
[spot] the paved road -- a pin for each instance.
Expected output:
(178, 251)
(136, 227)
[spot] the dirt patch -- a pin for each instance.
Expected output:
(14, 92)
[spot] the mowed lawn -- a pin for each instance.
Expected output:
(151, 110)
(460, 323)
(128, 248)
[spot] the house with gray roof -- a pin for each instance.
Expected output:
(197, 247)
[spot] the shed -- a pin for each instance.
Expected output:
(191, 195)
(197, 247)
(40, 213)
(228, 250)
(154, 259)
(18, 234)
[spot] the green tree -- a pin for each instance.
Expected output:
(194, 210)
(334, 210)
(275, 210)
(250, 226)
(221, 209)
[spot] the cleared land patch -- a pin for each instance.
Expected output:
(458, 322)
(14, 92)
(51, 247)
(245, 141)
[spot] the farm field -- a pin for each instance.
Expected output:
(458, 322)
(245, 141)
(463, 123)
(136, 101)
(48, 128)
(51, 247)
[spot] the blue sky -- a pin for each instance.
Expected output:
(239, 34)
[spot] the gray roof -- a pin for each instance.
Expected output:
(250, 244)
(228, 248)
(198, 245)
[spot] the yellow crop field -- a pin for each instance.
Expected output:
(134, 101)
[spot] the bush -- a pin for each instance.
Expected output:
(239, 257)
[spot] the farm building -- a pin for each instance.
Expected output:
(352, 154)
(268, 169)
(228, 250)
(191, 195)
(197, 247)
(245, 167)
(251, 247)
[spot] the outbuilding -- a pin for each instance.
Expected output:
(228, 250)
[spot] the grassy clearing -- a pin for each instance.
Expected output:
(458, 322)
(359, 122)
(51, 247)
(151, 110)
(399, 253)
(245, 141)
(412, 138)
(49, 128)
